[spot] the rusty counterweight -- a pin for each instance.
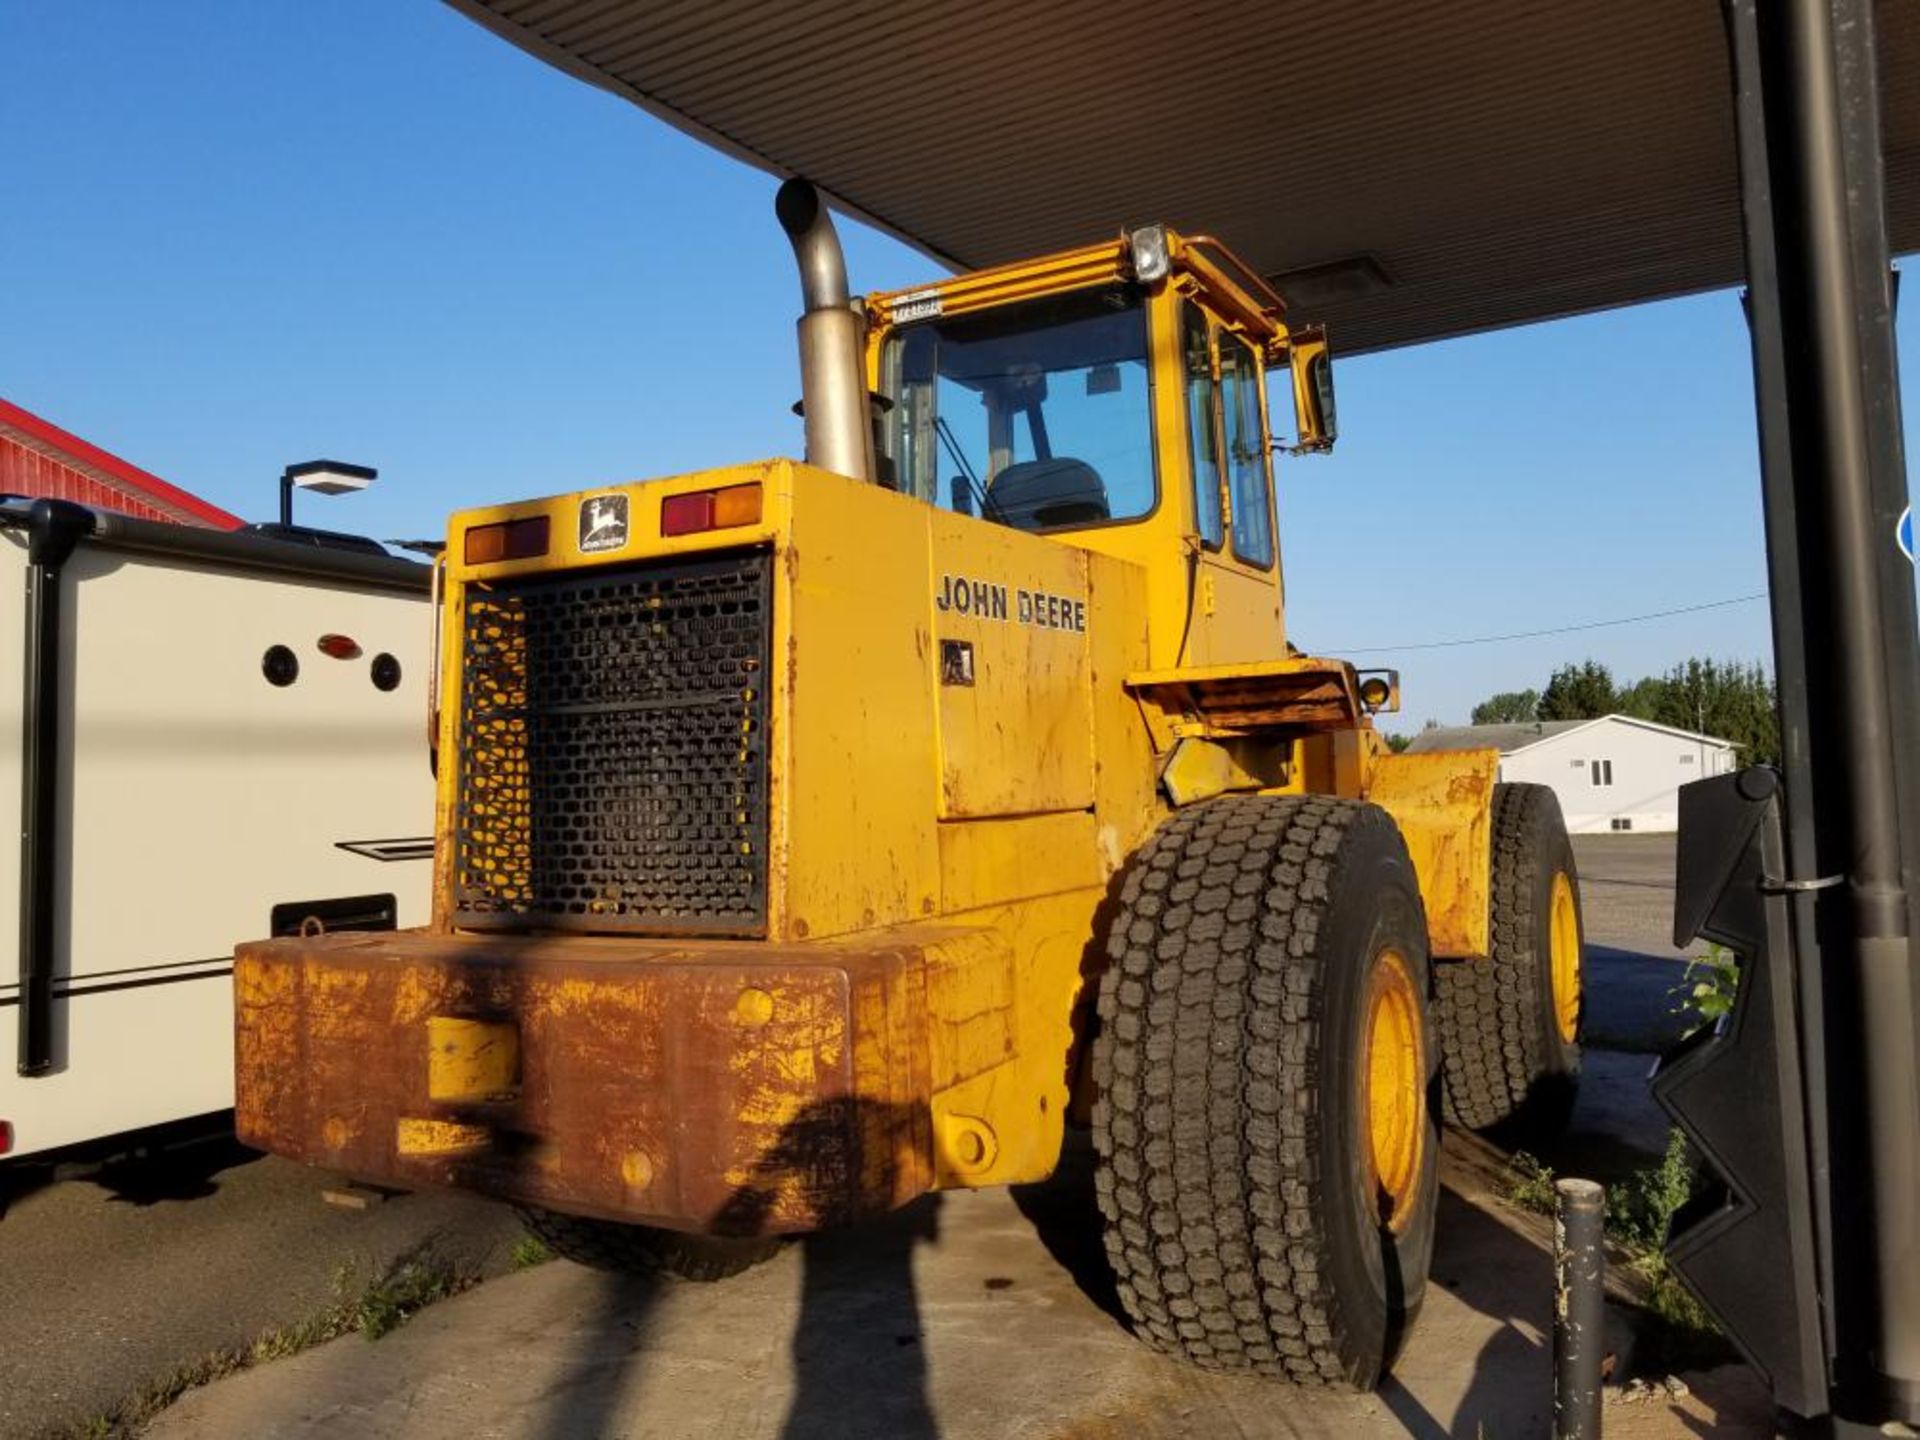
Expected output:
(717, 1086)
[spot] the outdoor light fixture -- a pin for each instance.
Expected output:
(1347, 278)
(1150, 259)
(1380, 690)
(324, 477)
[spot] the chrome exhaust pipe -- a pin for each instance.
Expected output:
(833, 386)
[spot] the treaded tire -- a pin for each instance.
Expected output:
(1235, 1173)
(645, 1249)
(1504, 1063)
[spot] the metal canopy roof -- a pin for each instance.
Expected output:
(1405, 171)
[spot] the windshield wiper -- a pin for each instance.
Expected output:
(988, 505)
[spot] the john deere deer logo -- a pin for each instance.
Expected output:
(603, 523)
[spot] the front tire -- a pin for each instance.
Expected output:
(646, 1249)
(1266, 1146)
(1510, 1024)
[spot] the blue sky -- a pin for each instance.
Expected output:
(242, 233)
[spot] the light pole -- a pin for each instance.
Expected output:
(325, 477)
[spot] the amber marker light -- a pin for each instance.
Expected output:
(701, 510)
(506, 540)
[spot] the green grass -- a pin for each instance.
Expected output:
(1641, 1207)
(528, 1251)
(373, 1309)
(1529, 1184)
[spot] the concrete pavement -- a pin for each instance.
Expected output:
(979, 1316)
(1633, 968)
(115, 1279)
(1626, 893)
(969, 1315)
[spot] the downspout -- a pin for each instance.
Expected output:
(833, 385)
(54, 528)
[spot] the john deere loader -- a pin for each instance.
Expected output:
(812, 836)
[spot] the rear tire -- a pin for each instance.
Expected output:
(1509, 1032)
(646, 1249)
(1246, 1099)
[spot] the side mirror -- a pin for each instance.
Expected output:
(1315, 415)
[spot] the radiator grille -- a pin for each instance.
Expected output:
(613, 763)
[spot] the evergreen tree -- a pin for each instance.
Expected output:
(1507, 708)
(1642, 698)
(1728, 699)
(1579, 692)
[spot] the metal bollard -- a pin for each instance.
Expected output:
(1579, 1295)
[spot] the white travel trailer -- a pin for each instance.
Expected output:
(208, 737)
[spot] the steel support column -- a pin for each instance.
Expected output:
(1834, 483)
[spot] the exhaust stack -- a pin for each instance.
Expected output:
(833, 387)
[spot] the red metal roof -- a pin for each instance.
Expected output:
(38, 458)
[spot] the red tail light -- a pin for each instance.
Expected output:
(506, 540)
(700, 510)
(6, 1137)
(340, 647)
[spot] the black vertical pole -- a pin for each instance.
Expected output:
(1579, 1307)
(1847, 656)
(54, 527)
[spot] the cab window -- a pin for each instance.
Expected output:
(1203, 435)
(1246, 452)
(1035, 415)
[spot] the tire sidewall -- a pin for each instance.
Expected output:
(1374, 905)
(1560, 1058)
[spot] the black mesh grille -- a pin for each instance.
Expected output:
(613, 764)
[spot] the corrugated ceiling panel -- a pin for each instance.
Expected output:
(1499, 161)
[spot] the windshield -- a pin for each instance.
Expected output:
(1034, 415)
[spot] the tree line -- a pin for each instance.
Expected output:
(1731, 699)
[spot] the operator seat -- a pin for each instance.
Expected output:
(1038, 494)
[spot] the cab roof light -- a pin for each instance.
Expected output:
(506, 540)
(700, 510)
(1152, 261)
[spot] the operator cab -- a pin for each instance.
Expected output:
(1113, 397)
(1037, 415)
(1083, 389)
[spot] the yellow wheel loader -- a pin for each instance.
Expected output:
(814, 836)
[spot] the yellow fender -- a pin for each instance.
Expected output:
(1443, 803)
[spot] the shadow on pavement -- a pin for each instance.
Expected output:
(858, 1330)
(1480, 1262)
(587, 1398)
(858, 1363)
(1634, 1001)
(186, 1173)
(1066, 1219)
(1504, 1276)
(858, 1333)
(168, 1163)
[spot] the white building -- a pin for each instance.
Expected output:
(1614, 773)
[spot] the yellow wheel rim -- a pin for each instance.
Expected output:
(1563, 920)
(1395, 1071)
